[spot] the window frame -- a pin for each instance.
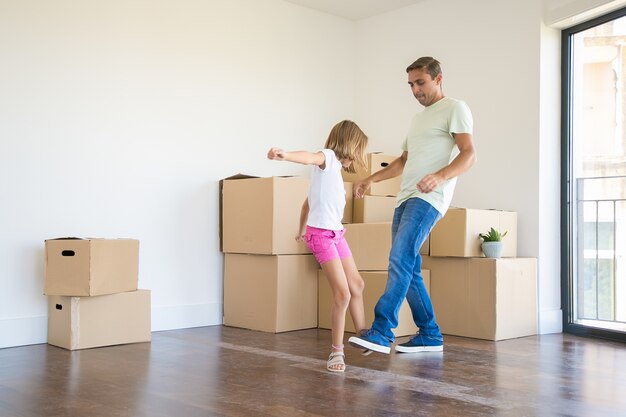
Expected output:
(567, 237)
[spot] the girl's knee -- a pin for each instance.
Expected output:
(355, 282)
(342, 299)
(357, 285)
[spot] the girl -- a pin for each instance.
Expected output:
(321, 228)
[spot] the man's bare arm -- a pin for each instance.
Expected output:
(392, 170)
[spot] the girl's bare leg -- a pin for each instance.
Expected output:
(336, 277)
(356, 286)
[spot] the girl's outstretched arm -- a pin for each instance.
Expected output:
(300, 157)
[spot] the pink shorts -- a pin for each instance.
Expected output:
(327, 245)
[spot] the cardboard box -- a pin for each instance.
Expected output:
(347, 211)
(425, 249)
(262, 215)
(376, 161)
(370, 244)
(85, 267)
(271, 293)
(484, 298)
(375, 283)
(373, 209)
(105, 320)
(456, 234)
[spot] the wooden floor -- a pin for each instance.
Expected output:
(222, 371)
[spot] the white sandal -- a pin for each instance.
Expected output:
(335, 359)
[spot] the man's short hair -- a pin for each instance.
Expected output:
(428, 64)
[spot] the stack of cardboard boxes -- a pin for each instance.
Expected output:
(270, 280)
(272, 283)
(379, 202)
(480, 297)
(92, 292)
(473, 296)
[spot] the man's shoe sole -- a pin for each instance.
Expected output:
(417, 349)
(361, 343)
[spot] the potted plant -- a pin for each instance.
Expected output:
(492, 243)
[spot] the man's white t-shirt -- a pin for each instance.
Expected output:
(430, 147)
(327, 194)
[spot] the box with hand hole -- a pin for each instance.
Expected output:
(88, 267)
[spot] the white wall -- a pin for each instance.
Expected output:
(549, 208)
(490, 52)
(118, 119)
(566, 13)
(492, 64)
(504, 61)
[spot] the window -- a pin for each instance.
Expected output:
(594, 177)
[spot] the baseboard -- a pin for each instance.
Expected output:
(34, 330)
(186, 316)
(550, 321)
(23, 331)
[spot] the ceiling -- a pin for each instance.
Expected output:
(354, 9)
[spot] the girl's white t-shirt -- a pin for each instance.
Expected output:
(327, 194)
(430, 147)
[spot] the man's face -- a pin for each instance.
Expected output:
(426, 90)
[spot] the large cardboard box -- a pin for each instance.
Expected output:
(456, 234)
(373, 209)
(484, 298)
(376, 161)
(85, 267)
(375, 282)
(271, 293)
(370, 244)
(262, 215)
(105, 320)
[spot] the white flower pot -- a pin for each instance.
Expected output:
(492, 249)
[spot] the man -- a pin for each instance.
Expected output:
(429, 166)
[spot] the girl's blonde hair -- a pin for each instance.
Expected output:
(348, 141)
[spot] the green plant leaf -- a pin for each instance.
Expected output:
(492, 236)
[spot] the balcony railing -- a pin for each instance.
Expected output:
(600, 251)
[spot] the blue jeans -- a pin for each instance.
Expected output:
(412, 222)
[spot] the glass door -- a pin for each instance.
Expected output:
(594, 177)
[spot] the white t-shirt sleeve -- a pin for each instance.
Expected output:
(461, 120)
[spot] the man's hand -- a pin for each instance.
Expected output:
(429, 183)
